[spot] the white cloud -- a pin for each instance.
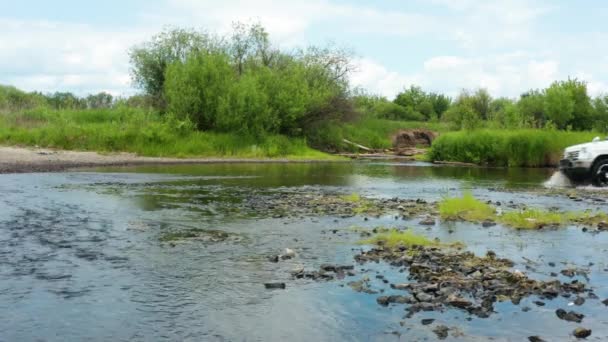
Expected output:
(494, 44)
(50, 56)
(377, 79)
(503, 75)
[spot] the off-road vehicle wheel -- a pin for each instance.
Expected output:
(599, 172)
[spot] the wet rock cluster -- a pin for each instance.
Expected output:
(325, 272)
(200, 235)
(440, 278)
(291, 205)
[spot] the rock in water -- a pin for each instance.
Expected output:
(427, 321)
(569, 316)
(275, 286)
(273, 258)
(423, 297)
(581, 332)
(441, 331)
(458, 302)
(429, 221)
(535, 339)
(288, 254)
(488, 223)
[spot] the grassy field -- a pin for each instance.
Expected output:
(526, 147)
(142, 132)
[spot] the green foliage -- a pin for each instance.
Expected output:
(15, 100)
(559, 106)
(249, 87)
(199, 88)
(440, 103)
(462, 116)
(466, 208)
(99, 100)
(150, 60)
(600, 113)
(421, 106)
(523, 147)
(469, 110)
(531, 106)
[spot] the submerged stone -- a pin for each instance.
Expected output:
(275, 286)
(569, 316)
(441, 331)
(581, 332)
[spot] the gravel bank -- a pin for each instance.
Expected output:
(21, 160)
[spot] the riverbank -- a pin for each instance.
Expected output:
(24, 160)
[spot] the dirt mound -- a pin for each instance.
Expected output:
(413, 138)
(406, 140)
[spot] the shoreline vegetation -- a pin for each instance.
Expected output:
(240, 96)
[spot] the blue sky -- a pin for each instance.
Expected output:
(441, 45)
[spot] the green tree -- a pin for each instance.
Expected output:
(582, 112)
(559, 105)
(462, 113)
(99, 100)
(600, 113)
(149, 61)
(66, 100)
(440, 102)
(198, 88)
(426, 109)
(480, 102)
(531, 106)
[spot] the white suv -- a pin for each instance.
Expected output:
(587, 162)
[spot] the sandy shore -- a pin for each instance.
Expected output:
(20, 160)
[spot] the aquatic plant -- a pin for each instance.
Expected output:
(533, 219)
(395, 238)
(466, 208)
(588, 218)
(354, 198)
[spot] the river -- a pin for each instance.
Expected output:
(85, 255)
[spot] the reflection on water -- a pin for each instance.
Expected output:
(81, 256)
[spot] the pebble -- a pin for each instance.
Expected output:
(581, 332)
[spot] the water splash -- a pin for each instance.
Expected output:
(558, 180)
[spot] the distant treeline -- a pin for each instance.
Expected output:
(15, 100)
(563, 105)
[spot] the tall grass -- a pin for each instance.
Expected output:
(142, 132)
(524, 147)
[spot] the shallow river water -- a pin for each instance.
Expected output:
(82, 255)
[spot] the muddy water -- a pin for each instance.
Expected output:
(84, 255)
